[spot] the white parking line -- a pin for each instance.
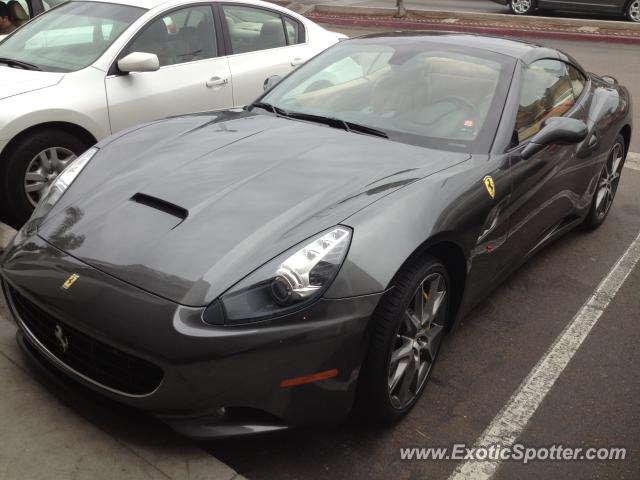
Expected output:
(507, 426)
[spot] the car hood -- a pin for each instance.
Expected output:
(186, 207)
(15, 81)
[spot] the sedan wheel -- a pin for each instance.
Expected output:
(407, 330)
(30, 164)
(417, 341)
(521, 7)
(43, 169)
(633, 12)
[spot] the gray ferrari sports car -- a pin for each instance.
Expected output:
(255, 269)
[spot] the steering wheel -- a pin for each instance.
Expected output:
(464, 102)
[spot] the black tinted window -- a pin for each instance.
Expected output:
(180, 36)
(252, 29)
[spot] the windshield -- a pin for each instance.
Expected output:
(416, 91)
(69, 37)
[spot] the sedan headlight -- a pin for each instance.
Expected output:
(61, 183)
(286, 283)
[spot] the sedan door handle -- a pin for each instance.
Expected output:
(297, 61)
(217, 82)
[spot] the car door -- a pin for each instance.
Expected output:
(547, 187)
(193, 76)
(588, 6)
(262, 43)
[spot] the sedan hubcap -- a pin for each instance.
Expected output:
(521, 6)
(634, 11)
(417, 341)
(43, 169)
(609, 179)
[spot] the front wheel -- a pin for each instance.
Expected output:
(522, 7)
(408, 328)
(29, 166)
(633, 11)
(607, 186)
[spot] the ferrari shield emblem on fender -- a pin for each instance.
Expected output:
(70, 281)
(491, 187)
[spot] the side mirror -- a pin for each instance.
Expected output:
(556, 130)
(271, 82)
(139, 62)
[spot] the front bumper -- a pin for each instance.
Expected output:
(215, 381)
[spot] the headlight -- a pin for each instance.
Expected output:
(61, 183)
(288, 282)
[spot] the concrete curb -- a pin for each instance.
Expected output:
(483, 23)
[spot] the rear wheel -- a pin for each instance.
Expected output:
(522, 7)
(633, 11)
(607, 186)
(408, 329)
(30, 166)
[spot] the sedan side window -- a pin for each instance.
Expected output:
(252, 29)
(181, 36)
(547, 92)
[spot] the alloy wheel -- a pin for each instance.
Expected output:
(417, 341)
(43, 169)
(608, 184)
(521, 6)
(634, 11)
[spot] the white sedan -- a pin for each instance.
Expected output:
(87, 69)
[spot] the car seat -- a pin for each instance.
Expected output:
(271, 35)
(17, 13)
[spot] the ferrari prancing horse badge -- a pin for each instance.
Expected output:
(491, 187)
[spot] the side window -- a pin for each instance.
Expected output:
(252, 29)
(546, 92)
(578, 81)
(181, 36)
(295, 31)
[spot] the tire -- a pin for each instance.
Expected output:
(381, 396)
(633, 11)
(25, 155)
(522, 7)
(607, 186)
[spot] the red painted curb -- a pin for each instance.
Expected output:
(512, 32)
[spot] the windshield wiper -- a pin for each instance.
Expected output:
(270, 108)
(19, 64)
(338, 123)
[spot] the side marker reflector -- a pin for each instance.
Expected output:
(292, 382)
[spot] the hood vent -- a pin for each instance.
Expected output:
(161, 205)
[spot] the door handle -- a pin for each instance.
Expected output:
(217, 82)
(297, 61)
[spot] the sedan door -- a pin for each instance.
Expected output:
(262, 43)
(192, 76)
(587, 6)
(548, 187)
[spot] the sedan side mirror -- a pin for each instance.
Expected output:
(270, 82)
(556, 130)
(139, 62)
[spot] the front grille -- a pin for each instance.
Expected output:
(95, 360)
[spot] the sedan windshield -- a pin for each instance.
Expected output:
(67, 38)
(411, 90)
